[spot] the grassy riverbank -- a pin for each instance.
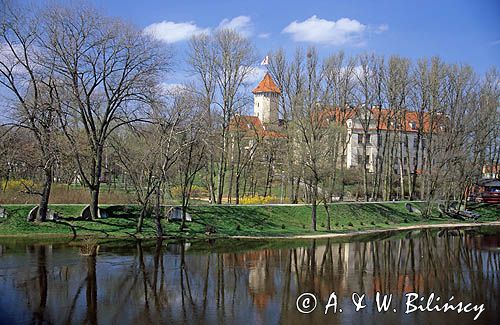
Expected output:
(230, 220)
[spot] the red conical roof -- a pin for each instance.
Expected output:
(267, 85)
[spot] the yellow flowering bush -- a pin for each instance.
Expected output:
(16, 184)
(196, 191)
(257, 199)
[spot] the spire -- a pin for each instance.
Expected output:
(267, 85)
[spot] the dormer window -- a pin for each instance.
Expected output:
(413, 125)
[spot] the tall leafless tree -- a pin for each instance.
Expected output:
(105, 69)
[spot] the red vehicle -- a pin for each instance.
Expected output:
(486, 191)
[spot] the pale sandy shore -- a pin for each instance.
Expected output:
(374, 231)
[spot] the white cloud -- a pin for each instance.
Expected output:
(381, 28)
(264, 35)
(171, 32)
(494, 43)
(241, 24)
(171, 88)
(317, 30)
(255, 75)
(8, 56)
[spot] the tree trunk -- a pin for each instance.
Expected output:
(159, 228)
(222, 170)
(237, 189)
(296, 194)
(314, 202)
(415, 168)
(96, 185)
(269, 176)
(44, 200)
(328, 222)
(183, 223)
(140, 222)
(94, 203)
(211, 183)
(342, 178)
(365, 162)
(230, 188)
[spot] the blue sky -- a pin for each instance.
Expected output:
(458, 31)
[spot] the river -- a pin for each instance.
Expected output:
(253, 281)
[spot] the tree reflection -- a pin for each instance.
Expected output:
(156, 284)
(91, 292)
(42, 282)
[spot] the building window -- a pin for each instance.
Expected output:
(415, 143)
(360, 138)
(379, 140)
(413, 125)
(368, 138)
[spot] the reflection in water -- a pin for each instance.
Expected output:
(159, 282)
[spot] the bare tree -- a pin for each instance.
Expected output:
(367, 98)
(222, 62)
(313, 134)
(245, 140)
(105, 68)
(202, 65)
(192, 151)
(34, 102)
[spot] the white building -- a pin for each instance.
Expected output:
(375, 126)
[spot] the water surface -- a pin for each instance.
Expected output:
(249, 282)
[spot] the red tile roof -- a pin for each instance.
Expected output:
(267, 85)
(252, 126)
(385, 116)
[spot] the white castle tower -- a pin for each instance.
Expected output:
(266, 100)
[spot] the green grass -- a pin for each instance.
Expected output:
(229, 220)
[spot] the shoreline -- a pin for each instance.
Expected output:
(278, 237)
(374, 231)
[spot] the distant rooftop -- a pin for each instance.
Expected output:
(267, 85)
